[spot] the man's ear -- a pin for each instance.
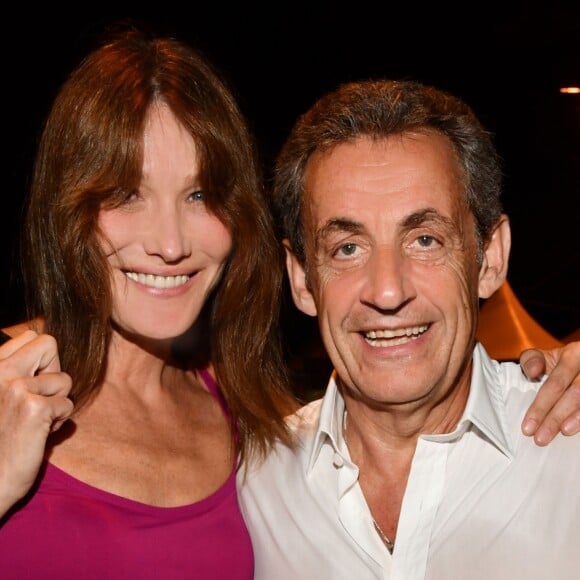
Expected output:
(301, 294)
(494, 267)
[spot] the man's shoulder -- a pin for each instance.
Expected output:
(283, 458)
(512, 375)
(505, 375)
(306, 417)
(267, 479)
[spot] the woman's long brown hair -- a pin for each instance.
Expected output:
(90, 156)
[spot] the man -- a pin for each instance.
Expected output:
(414, 464)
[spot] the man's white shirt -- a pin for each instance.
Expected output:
(481, 502)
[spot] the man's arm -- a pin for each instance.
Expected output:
(556, 408)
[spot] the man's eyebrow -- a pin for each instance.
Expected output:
(413, 220)
(335, 225)
(426, 215)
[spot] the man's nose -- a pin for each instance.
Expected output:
(388, 284)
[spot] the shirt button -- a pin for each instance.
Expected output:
(337, 461)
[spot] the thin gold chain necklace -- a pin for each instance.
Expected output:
(389, 544)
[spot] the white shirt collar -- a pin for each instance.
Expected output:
(484, 410)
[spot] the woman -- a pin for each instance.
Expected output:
(149, 251)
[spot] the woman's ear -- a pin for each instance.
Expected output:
(494, 267)
(301, 294)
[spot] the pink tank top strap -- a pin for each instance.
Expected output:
(214, 389)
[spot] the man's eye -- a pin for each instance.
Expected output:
(347, 249)
(426, 241)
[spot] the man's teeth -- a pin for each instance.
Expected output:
(394, 337)
(158, 281)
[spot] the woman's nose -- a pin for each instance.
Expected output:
(166, 234)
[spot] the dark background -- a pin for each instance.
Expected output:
(506, 59)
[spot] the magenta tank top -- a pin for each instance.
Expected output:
(68, 529)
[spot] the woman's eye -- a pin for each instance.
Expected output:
(197, 196)
(130, 197)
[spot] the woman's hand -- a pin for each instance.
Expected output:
(556, 408)
(33, 403)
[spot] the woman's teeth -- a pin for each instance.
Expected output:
(158, 281)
